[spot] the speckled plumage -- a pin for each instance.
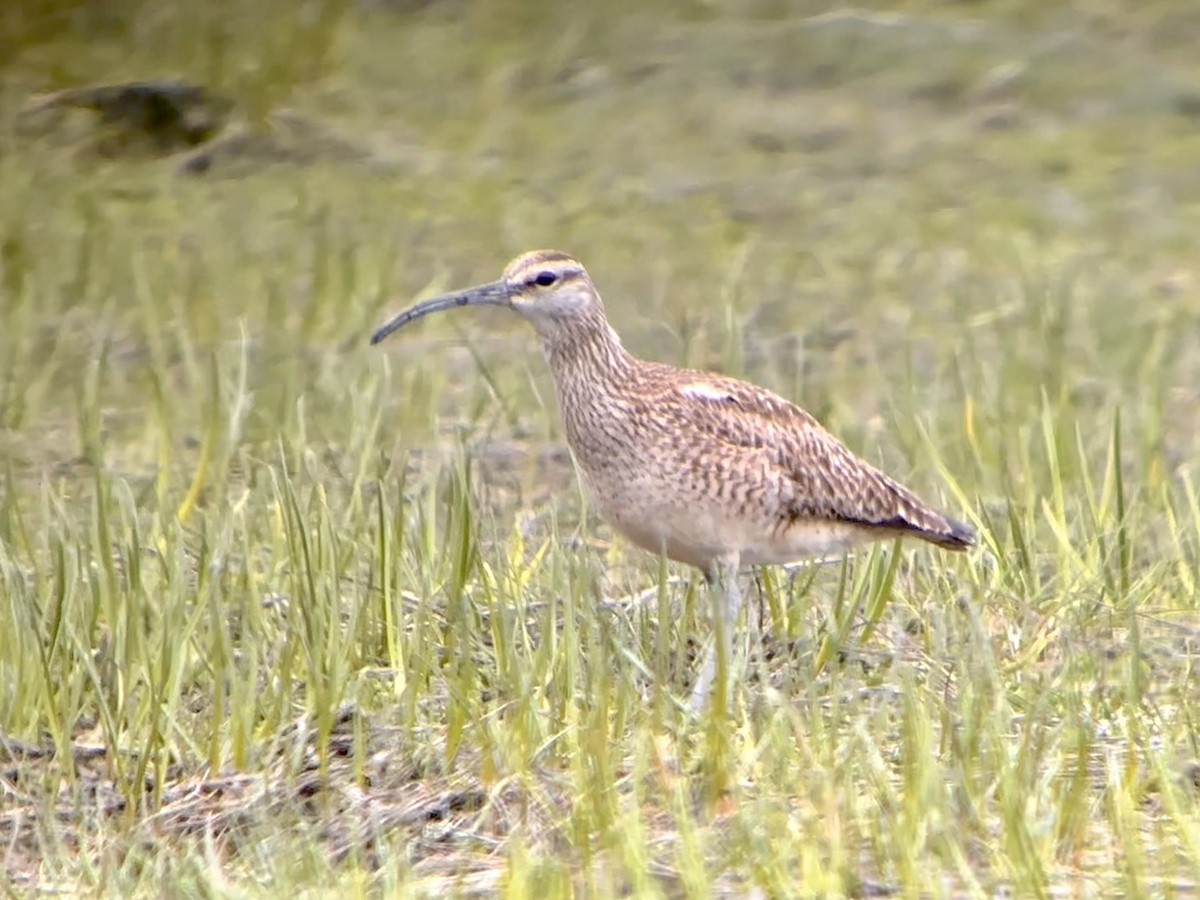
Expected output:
(712, 471)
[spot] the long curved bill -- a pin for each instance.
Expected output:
(495, 293)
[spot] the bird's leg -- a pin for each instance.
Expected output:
(727, 603)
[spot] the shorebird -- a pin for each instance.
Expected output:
(710, 471)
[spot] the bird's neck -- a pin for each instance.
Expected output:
(593, 373)
(588, 352)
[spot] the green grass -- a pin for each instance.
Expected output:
(283, 612)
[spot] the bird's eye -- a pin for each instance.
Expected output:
(545, 279)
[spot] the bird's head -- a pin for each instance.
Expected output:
(548, 288)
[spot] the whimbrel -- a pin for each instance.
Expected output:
(711, 471)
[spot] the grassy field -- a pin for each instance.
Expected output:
(282, 612)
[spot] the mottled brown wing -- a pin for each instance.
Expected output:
(826, 481)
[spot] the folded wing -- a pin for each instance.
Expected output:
(821, 479)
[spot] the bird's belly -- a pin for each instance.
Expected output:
(687, 541)
(807, 540)
(698, 536)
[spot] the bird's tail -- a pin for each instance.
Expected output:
(955, 535)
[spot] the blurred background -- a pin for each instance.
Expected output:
(999, 194)
(988, 198)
